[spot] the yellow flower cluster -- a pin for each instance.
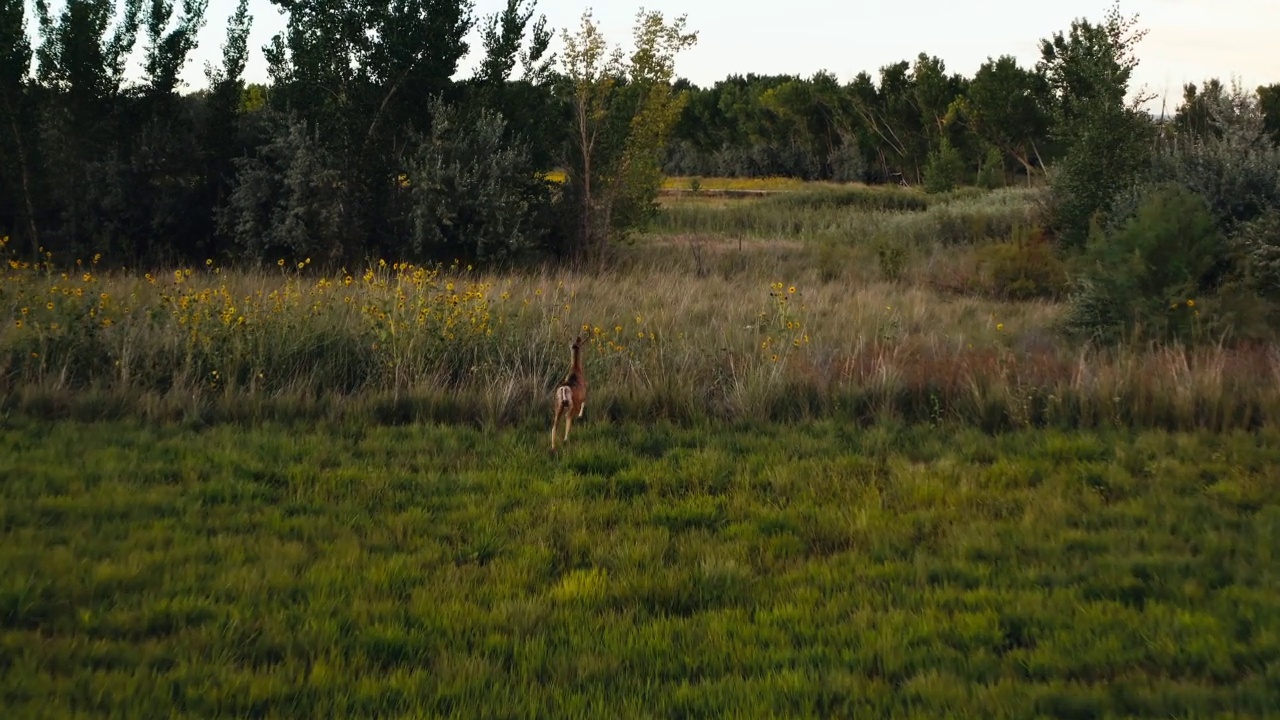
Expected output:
(406, 300)
(782, 323)
(398, 306)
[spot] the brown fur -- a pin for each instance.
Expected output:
(570, 398)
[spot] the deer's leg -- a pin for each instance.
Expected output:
(582, 407)
(568, 420)
(554, 422)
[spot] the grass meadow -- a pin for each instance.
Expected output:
(838, 460)
(649, 570)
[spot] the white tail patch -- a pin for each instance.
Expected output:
(564, 395)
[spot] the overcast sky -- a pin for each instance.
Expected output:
(1188, 40)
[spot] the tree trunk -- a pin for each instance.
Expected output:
(25, 174)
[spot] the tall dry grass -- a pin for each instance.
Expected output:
(770, 334)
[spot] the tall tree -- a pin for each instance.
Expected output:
(81, 64)
(532, 115)
(16, 172)
(167, 52)
(1195, 115)
(1106, 138)
(894, 120)
(222, 140)
(623, 111)
(359, 75)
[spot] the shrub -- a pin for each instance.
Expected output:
(1026, 267)
(991, 173)
(892, 257)
(1144, 278)
(847, 163)
(1233, 165)
(1259, 243)
(944, 169)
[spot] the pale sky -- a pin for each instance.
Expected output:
(1188, 40)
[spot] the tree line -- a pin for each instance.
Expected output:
(916, 122)
(363, 144)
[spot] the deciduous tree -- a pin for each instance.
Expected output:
(1106, 136)
(1006, 108)
(623, 111)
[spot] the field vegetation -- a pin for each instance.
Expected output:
(850, 311)
(752, 570)
(906, 399)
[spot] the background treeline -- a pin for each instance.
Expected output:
(363, 144)
(915, 122)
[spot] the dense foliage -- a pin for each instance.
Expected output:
(329, 159)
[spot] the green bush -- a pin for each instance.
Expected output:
(945, 168)
(1235, 166)
(1144, 278)
(892, 257)
(289, 200)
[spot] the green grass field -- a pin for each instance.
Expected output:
(649, 570)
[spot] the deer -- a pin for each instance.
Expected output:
(571, 394)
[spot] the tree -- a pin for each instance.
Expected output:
(623, 112)
(81, 63)
(359, 74)
(1106, 140)
(532, 115)
(221, 142)
(893, 120)
(1194, 117)
(1269, 100)
(944, 169)
(15, 122)
(288, 200)
(475, 193)
(1005, 107)
(166, 53)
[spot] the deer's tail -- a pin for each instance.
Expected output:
(564, 396)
